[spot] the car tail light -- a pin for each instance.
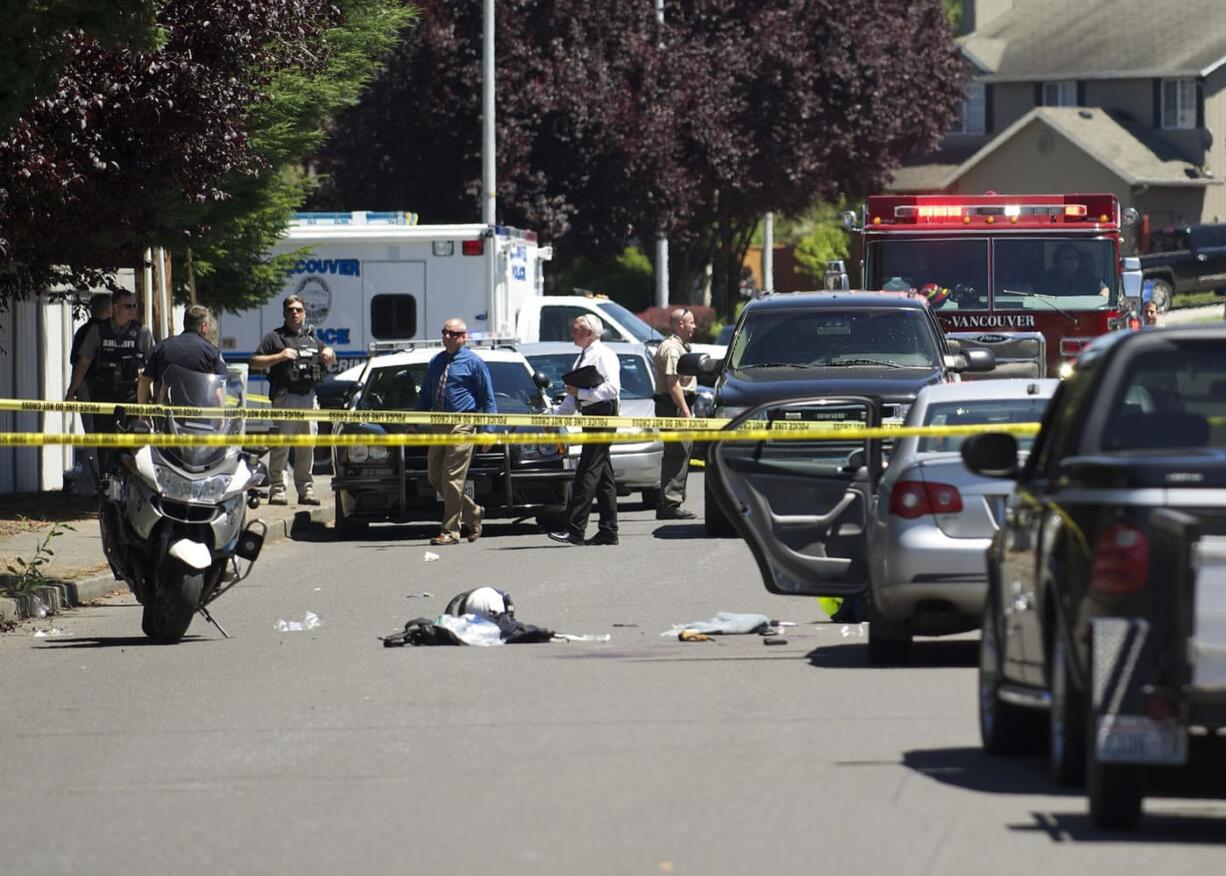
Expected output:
(473, 247)
(911, 499)
(1121, 560)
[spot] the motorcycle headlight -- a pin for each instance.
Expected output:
(378, 453)
(206, 490)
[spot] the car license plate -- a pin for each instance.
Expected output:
(1137, 739)
(469, 490)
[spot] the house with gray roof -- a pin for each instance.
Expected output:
(1123, 96)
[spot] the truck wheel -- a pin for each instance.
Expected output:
(1067, 721)
(345, 526)
(889, 643)
(1161, 294)
(717, 525)
(1004, 729)
(1115, 794)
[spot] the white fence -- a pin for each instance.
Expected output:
(35, 337)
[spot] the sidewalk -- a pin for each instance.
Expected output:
(78, 573)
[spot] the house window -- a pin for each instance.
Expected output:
(972, 113)
(393, 317)
(1060, 93)
(1178, 103)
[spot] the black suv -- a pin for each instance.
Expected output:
(806, 344)
(1191, 258)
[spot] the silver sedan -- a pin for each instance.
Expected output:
(932, 520)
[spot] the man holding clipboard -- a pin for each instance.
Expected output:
(592, 389)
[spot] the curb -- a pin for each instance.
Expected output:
(57, 596)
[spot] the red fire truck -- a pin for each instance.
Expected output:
(1000, 264)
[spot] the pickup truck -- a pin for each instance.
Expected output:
(1104, 631)
(1191, 258)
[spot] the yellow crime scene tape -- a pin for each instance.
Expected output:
(785, 432)
(408, 418)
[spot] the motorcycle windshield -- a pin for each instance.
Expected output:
(182, 388)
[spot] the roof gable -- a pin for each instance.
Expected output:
(1100, 39)
(1132, 152)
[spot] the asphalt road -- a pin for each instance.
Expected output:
(323, 752)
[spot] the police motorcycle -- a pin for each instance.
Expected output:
(173, 519)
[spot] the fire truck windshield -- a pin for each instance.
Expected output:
(1027, 273)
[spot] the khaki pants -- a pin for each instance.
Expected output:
(675, 463)
(304, 457)
(447, 469)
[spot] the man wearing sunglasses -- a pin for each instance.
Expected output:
(112, 354)
(456, 381)
(295, 360)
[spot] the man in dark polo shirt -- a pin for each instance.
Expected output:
(191, 350)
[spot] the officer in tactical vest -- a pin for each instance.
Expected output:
(295, 361)
(112, 354)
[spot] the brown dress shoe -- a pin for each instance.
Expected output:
(445, 539)
(474, 531)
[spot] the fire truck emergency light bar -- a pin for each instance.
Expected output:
(1045, 209)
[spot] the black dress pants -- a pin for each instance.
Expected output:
(593, 480)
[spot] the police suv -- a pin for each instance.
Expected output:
(376, 483)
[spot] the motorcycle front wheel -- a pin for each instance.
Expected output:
(167, 617)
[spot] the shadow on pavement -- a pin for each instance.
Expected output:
(1156, 828)
(970, 768)
(114, 642)
(852, 653)
(681, 530)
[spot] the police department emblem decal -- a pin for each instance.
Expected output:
(316, 297)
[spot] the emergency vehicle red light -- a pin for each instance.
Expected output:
(473, 247)
(1075, 210)
(928, 211)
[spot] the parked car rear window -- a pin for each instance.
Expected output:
(1172, 398)
(977, 412)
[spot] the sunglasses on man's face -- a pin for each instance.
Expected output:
(448, 333)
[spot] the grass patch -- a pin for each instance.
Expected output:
(1195, 299)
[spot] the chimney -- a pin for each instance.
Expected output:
(977, 13)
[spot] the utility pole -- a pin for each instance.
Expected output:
(768, 253)
(662, 240)
(489, 183)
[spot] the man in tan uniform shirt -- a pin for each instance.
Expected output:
(675, 398)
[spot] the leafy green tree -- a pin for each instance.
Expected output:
(626, 277)
(191, 144)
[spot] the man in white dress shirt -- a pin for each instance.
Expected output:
(594, 476)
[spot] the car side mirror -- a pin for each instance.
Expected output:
(542, 380)
(991, 454)
(693, 364)
(1132, 279)
(975, 361)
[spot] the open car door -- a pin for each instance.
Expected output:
(802, 505)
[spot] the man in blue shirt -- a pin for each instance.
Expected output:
(457, 381)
